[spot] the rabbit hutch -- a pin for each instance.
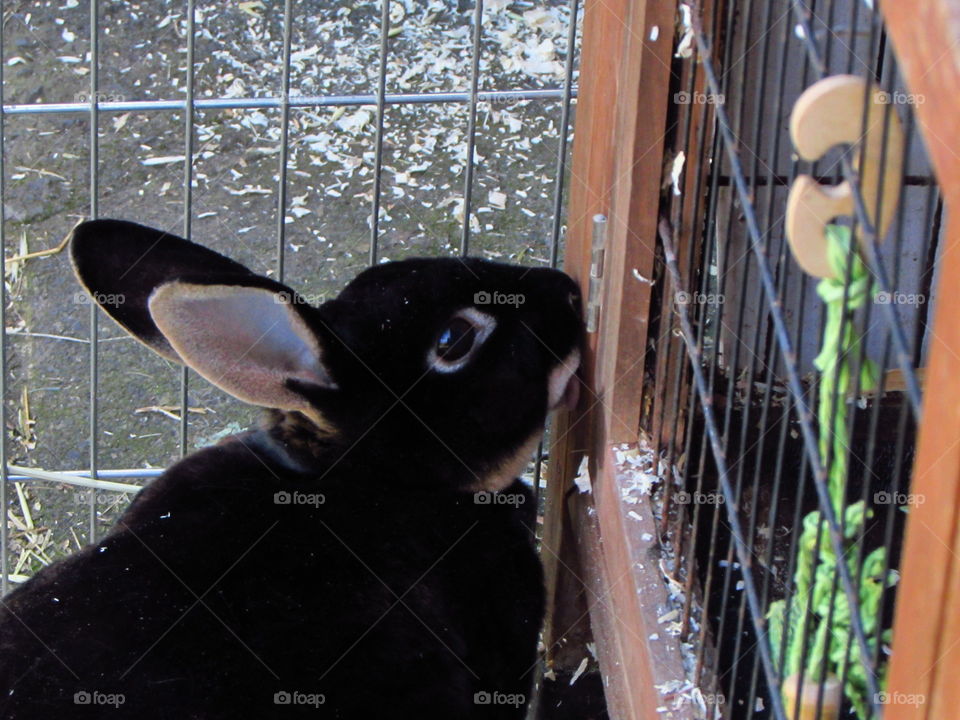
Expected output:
(756, 510)
(753, 512)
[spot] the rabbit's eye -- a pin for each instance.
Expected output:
(456, 340)
(459, 339)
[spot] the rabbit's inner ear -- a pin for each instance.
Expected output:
(248, 341)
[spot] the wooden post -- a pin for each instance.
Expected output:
(617, 167)
(926, 648)
(591, 180)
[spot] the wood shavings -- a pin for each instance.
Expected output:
(169, 410)
(248, 190)
(582, 480)
(633, 474)
(581, 668)
(685, 47)
(162, 160)
(252, 8)
(668, 617)
(676, 171)
(680, 694)
(355, 122)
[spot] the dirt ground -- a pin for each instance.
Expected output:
(330, 189)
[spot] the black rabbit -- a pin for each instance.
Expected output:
(367, 553)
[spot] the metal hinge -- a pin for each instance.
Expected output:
(596, 272)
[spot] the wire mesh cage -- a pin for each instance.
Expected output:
(307, 139)
(785, 429)
(778, 409)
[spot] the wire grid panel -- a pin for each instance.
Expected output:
(735, 389)
(306, 144)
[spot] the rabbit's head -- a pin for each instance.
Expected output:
(446, 368)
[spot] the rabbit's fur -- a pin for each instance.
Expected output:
(339, 554)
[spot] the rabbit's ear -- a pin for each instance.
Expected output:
(240, 331)
(121, 263)
(250, 341)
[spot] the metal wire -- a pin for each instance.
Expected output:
(719, 455)
(471, 126)
(284, 140)
(4, 475)
(381, 112)
(723, 261)
(298, 101)
(745, 359)
(188, 122)
(190, 105)
(733, 380)
(94, 212)
(794, 385)
(782, 286)
(564, 135)
(95, 478)
(558, 189)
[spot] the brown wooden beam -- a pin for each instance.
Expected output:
(926, 647)
(590, 182)
(641, 129)
(616, 171)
